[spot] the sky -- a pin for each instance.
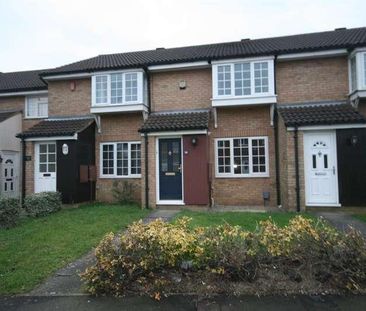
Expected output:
(40, 34)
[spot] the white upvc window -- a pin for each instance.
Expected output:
(120, 160)
(357, 70)
(117, 88)
(242, 157)
(243, 78)
(36, 107)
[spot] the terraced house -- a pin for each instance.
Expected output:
(260, 123)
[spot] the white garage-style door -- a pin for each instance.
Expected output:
(320, 160)
(45, 167)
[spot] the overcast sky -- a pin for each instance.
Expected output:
(39, 34)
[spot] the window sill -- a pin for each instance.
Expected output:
(244, 101)
(242, 177)
(357, 93)
(117, 108)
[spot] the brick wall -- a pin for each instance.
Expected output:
(166, 94)
(244, 122)
(312, 80)
(29, 168)
(62, 101)
(116, 128)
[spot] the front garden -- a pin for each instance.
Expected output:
(298, 256)
(38, 246)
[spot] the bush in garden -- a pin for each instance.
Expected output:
(9, 212)
(43, 203)
(304, 249)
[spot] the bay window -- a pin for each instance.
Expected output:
(242, 157)
(357, 71)
(120, 159)
(117, 88)
(243, 79)
(36, 107)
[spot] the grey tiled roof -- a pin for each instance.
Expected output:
(6, 114)
(320, 114)
(21, 81)
(176, 121)
(57, 127)
(344, 38)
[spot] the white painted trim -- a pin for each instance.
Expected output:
(328, 127)
(181, 66)
(23, 93)
(334, 142)
(323, 205)
(74, 137)
(251, 174)
(172, 133)
(242, 60)
(244, 101)
(157, 173)
(309, 55)
(357, 94)
(115, 176)
(108, 108)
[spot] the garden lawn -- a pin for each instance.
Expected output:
(37, 247)
(246, 220)
(361, 217)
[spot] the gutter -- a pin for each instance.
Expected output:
(297, 174)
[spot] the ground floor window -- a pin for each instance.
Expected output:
(242, 157)
(120, 159)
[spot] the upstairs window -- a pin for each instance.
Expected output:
(357, 70)
(36, 107)
(117, 88)
(243, 79)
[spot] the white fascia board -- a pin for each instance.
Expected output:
(23, 93)
(309, 55)
(229, 102)
(119, 108)
(73, 137)
(243, 59)
(328, 127)
(179, 66)
(175, 133)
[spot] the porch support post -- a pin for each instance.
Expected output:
(146, 171)
(297, 175)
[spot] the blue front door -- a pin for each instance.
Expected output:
(170, 173)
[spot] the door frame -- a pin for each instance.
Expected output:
(306, 168)
(157, 171)
(36, 161)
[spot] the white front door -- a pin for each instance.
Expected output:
(320, 159)
(45, 167)
(10, 175)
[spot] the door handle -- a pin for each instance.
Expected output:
(334, 170)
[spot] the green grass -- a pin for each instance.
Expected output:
(247, 220)
(361, 217)
(37, 247)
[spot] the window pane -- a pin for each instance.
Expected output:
(122, 159)
(242, 79)
(353, 73)
(116, 88)
(131, 87)
(364, 68)
(37, 106)
(136, 158)
(223, 158)
(241, 156)
(108, 159)
(258, 155)
(261, 77)
(224, 80)
(101, 89)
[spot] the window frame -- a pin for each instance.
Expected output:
(108, 102)
(114, 175)
(27, 98)
(232, 63)
(359, 56)
(251, 174)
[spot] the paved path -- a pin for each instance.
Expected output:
(178, 303)
(342, 221)
(66, 281)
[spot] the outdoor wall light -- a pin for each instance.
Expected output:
(194, 141)
(354, 140)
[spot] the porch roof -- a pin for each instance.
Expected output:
(309, 114)
(57, 127)
(176, 121)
